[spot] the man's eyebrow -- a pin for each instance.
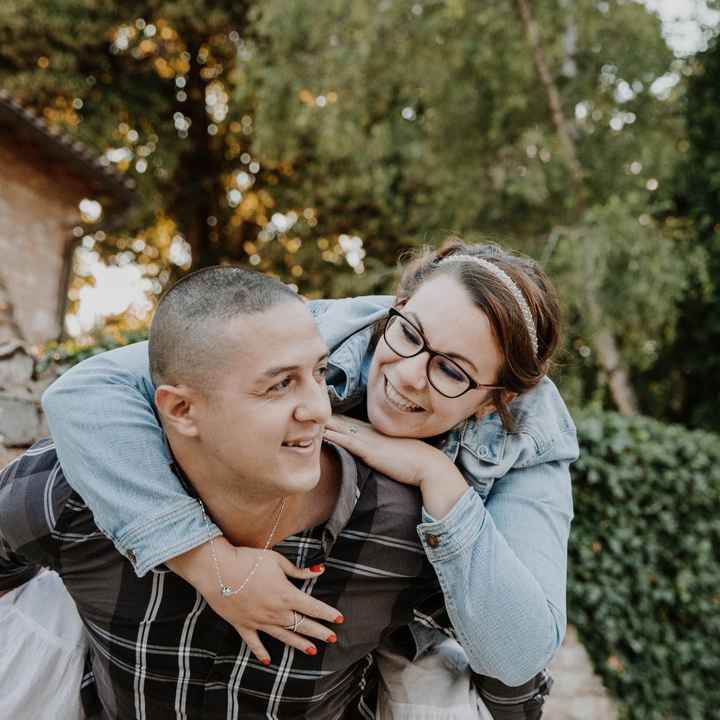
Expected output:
(455, 356)
(279, 370)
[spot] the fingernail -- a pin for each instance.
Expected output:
(339, 620)
(332, 638)
(311, 650)
(265, 661)
(316, 568)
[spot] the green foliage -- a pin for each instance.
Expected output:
(688, 371)
(70, 352)
(645, 564)
(318, 140)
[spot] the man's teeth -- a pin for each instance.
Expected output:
(303, 444)
(397, 399)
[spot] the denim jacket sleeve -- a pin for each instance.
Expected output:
(112, 448)
(113, 452)
(500, 554)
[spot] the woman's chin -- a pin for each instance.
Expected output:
(390, 422)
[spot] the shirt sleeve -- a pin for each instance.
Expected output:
(113, 452)
(27, 509)
(503, 565)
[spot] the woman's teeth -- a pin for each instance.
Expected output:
(302, 444)
(398, 401)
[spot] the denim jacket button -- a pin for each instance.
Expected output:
(432, 540)
(131, 557)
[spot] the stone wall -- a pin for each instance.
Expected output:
(21, 418)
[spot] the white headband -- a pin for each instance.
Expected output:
(509, 283)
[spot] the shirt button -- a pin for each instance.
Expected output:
(131, 557)
(432, 540)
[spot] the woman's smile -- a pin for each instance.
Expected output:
(399, 401)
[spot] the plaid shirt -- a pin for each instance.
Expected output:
(158, 650)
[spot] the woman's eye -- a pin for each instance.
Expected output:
(451, 371)
(410, 335)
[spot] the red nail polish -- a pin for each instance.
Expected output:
(332, 638)
(316, 568)
(339, 620)
(265, 661)
(311, 650)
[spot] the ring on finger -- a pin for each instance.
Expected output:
(293, 625)
(298, 620)
(352, 430)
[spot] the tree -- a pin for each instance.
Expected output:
(686, 378)
(458, 133)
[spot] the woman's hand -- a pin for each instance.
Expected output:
(403, 459)
(409, 461)
(267, 603)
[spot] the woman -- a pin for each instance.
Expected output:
(459, 360)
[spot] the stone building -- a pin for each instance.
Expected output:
(45, 175)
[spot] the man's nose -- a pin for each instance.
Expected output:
(315, 405)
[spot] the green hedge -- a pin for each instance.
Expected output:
(644, 585)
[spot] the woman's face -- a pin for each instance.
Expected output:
(400, 400)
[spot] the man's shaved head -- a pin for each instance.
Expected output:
(189, 339)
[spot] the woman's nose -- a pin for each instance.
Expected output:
(412, 372)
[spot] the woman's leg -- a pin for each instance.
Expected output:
(437, 686)
(43, 651)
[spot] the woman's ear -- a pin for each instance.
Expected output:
(176, 405)
(488, 405)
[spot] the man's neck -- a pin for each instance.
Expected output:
(247, 519)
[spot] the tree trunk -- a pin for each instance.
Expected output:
(605, 343)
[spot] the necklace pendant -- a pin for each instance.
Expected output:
(226, 590)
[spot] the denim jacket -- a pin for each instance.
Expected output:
(500, 554)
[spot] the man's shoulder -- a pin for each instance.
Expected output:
(32, 471)
(33, 492)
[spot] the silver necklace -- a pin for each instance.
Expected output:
(227, 590)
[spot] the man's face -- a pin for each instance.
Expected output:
(261, 423)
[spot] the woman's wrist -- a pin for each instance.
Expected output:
(195, 565)
(441, 485)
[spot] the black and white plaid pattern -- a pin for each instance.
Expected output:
(158, 651)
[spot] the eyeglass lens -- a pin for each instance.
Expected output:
(445, 375)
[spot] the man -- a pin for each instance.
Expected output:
(243, 417)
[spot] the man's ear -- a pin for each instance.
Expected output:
(176, 405)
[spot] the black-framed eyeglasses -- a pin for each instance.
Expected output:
(405, 339)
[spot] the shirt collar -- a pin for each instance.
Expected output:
(351, 482)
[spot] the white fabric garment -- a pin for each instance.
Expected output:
(435, 687)
(42, 652)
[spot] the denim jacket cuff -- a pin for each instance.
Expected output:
(149, 542)
(456, 532)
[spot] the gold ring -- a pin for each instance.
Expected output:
(294, 624)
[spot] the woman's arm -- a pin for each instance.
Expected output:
(501, 564)
(113, 452)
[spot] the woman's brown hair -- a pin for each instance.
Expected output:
(522, 368)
